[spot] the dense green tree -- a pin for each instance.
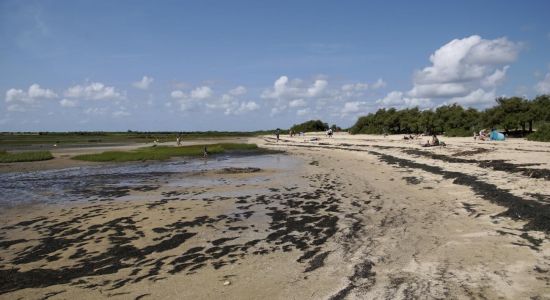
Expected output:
(309, 126)
(335, 128)
(509, 114)
(540, 109)
(427, 122)
(514, 112)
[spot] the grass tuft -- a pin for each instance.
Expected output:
(7, 157)
(165, 152)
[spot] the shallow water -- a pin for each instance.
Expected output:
(72, 184)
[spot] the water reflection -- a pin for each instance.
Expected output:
(73, 183)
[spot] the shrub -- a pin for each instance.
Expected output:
(458, 132)
(542, 134)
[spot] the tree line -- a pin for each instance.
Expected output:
(512, 115)
(309, 126)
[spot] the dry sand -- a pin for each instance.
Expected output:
(359, 217)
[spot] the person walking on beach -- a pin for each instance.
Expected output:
(277, 132)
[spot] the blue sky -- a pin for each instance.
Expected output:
(248, 65)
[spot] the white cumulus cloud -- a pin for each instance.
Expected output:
(195, 100)
(465, 71)
(285, 89)
(231, 104)
(240, 90)
(467, 59)
(363, 86)
(34, 93)
(94, 91)
(399, 100)
(462, 66)
(380, 83)
(144, 83)
(479, 97)
(16, 95)
(292, 93)
(201, 92)
(496, 78)
(439, 90)
(318, 87)
(178, 94)
(245, 107)
(352, 107)
(297, 103)
(280, 88)
(355, 87)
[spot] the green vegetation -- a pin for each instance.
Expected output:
(7, 157)
(335, 128)
(542, 134)
(98, 137)
(312, 125)
(165, 152)
(514, 115)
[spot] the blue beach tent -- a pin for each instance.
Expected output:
(496, 136)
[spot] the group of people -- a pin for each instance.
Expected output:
(434, 141)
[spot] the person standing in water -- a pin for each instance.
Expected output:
(205, 152)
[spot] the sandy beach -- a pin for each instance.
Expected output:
(348, 217)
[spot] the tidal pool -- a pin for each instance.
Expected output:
(77, 184)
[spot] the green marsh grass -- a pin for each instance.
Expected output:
(165, 152)
(9, 157)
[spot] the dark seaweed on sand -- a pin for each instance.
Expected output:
(535, 213)
(300, 221)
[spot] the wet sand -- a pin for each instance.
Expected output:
(354, 217)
